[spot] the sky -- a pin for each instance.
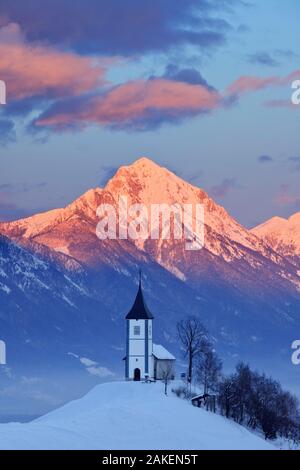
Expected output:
(202, 87)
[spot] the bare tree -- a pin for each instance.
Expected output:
(167, 374)
(208, 369)
(227, 396)
(193, 336)
(258, 401)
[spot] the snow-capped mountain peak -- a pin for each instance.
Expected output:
(142, 182)
(281, 234)
(35, 225)
(145, 181)
(72, 230)
(148, 183)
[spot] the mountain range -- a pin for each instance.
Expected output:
(64, 292)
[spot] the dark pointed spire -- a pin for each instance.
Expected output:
(139, 310)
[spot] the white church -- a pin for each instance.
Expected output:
(144, 360)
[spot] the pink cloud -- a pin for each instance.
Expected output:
(291, 77)
(143, 104)
(248, 84)
(287, 104)
(36, 70)
(285, 198)
(137, 101)
(80, 95)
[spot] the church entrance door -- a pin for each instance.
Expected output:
(137, 375)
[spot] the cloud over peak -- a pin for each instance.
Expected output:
(139, 104)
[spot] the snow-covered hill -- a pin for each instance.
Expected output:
(283, 235)
(132, 416)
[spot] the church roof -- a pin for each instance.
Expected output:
(162, 353)
(139, 310)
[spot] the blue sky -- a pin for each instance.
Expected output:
(61, 136)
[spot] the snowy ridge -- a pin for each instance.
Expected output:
(120, 415)
(71, 231)
(142, 182)
(283, 235)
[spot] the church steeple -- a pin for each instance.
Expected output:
(141, 363)
(139, 347)
(139, 310)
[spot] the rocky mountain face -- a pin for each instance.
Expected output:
(64, 292)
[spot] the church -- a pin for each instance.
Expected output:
(144, 360)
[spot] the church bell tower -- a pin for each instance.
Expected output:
(139, 346)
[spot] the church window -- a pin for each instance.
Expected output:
(136, 330)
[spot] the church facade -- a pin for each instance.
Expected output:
(144, 359)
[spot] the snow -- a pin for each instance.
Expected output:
(78, 287)
(161, 353)
(42, 223)
(62, 249)
(146, 182)
(2, 273)
(129, 415)
(68, 301)
(282, 234)
(5, 288)
(142, 182)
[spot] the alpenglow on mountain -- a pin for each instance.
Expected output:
(64, 293)
(283, 235)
